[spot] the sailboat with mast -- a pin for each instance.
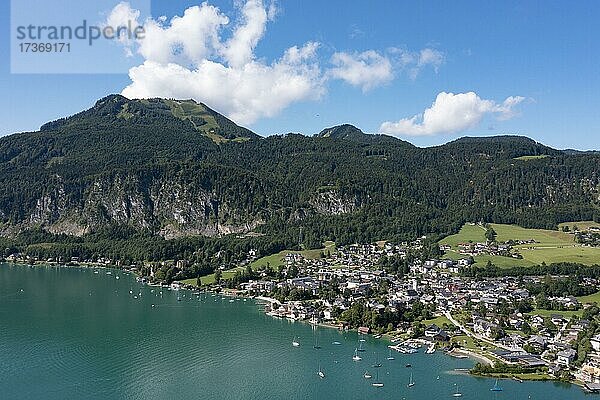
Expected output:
(356, 357)
(316, 345)
(360, 345)
(377, 363)
(496, 388)
(390, 357)
(367, 375)
(377, 383)
(411, 383)
(321, 373)
(295, 342)
(456, 392)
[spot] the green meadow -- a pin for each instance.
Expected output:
(549, 313)
(592, 298)
(529, 158)
(551, 245)
(273, 260)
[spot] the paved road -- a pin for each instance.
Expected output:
(475, 335)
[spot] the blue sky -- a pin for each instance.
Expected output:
(528, 68)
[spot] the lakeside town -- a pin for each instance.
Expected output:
(508, 324)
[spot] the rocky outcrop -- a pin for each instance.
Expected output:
(169, 208)
(333, 202)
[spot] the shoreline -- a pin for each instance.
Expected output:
(473, 356)
(227, 293)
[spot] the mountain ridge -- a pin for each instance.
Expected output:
(176, 168)
(203, 119)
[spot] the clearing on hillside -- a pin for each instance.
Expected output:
(550, 246)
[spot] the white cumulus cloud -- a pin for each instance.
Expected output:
(187, 57)
(452, 113)
(239, 50)
(185, 40)
(205, 56)
(366, 70)
(245, 94)
(414, 61)
(122, 15)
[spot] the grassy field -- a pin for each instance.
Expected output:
(466, 342)
(544, 237)
(528, 158)
(548, 313)
(592, 298)
(273, 260)
(439, 321)
(529, 376)
(469, 232)
(551, 246)
(581, 225)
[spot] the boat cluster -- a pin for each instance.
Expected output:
(406, 347)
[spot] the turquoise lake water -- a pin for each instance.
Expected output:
(70, 333)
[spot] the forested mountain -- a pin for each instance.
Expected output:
(169, 169)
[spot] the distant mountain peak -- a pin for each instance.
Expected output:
(501, 146)
(116, 108)
(352, 133)
(344, 131)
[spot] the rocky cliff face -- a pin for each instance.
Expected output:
(169, 208)
(333, 202)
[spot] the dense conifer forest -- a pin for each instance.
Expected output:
(162, 179)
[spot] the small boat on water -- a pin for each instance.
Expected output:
(295, 342)
(336, 343)
(456, 392)
(360, 346)
(377, 336)
(496, 388)
(356, 357)
(390, 357)
(321, 373)
(316, 345)
(377, 383)
(367, 375)
(377, 363)
(411, 383)
(408, 366)
(457, 355)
